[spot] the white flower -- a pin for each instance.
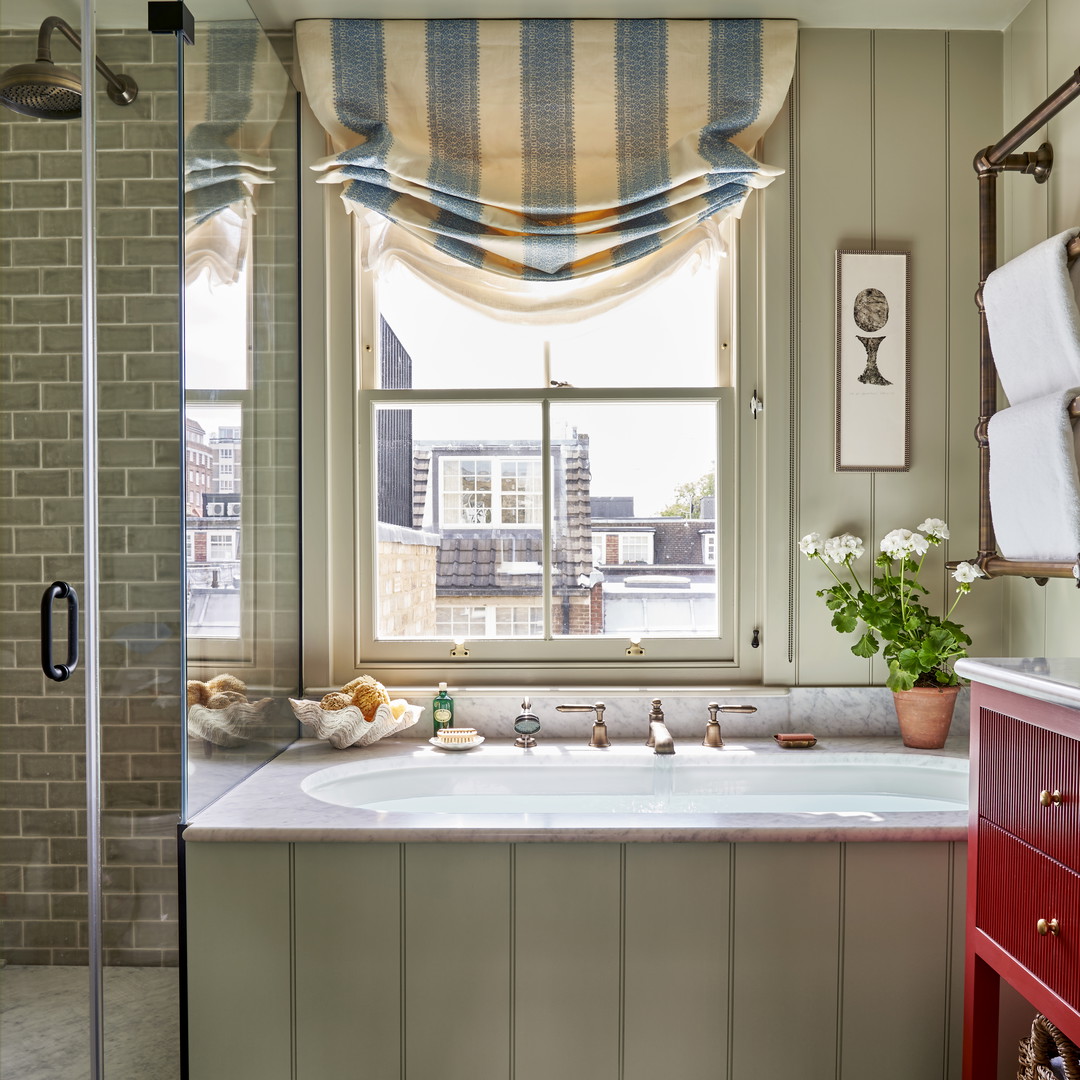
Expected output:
(810, 545)
(841, 549)
(966, 573)
(935, 528)
(901, 543)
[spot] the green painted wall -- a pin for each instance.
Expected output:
(880, 135)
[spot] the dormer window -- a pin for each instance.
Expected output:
(490, 492)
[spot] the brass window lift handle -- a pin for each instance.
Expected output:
(1050, 798)
(1048, 926)
(599, 739)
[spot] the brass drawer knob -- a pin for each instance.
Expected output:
(1050, 798)
(1048, 927)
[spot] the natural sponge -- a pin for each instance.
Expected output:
(333, 701)
(224, 698)
(197, 692)
(367, 694)
(226, 683)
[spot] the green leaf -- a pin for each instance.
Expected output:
(844, 622)
(908, 660)
(867, 645)
(898, 678)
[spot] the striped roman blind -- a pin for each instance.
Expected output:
(546, 149)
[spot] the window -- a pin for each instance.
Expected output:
(708, 548)
(469, 621)
(635, 548)
(486, 491)
(222, 546)
(520, 479)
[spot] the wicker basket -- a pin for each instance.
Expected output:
(1043, 1045)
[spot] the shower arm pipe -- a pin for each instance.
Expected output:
(1000, 157)
(44, 50)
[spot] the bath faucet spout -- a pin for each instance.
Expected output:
(659, 737)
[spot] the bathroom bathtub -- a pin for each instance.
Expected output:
(562, 940)
(404, 790)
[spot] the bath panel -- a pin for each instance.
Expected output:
(582, 961)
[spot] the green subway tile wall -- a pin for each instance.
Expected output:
(42, 796)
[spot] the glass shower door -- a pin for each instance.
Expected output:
(90, 780)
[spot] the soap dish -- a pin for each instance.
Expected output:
(462, 745)
(801, 741)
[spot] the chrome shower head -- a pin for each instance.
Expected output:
(48, 92)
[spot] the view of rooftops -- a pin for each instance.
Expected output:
(461, 510)
(213, 489)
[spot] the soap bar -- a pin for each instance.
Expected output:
(799, 741)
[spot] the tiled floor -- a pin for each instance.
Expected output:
(43, 1023)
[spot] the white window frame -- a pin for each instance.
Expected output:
(629, 539)
(708, 548)
(401, 661)
(220, 535)
(350, 643)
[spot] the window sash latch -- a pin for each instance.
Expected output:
(757, 406)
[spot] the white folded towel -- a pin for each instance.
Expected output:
(1033, 320)
(1034, 485)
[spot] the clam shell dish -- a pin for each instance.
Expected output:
(346, 727)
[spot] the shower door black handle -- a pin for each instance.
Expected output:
(59, 590)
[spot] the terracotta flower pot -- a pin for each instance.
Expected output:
(925, 714)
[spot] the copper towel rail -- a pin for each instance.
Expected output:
(988, 164)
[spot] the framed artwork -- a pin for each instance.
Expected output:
(873, 299)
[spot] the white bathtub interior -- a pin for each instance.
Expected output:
(631, 780)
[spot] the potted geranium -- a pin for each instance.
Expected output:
(918, 646)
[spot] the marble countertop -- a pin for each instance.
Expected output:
(270, 806)
(1056, 680)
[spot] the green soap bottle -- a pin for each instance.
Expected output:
(442, 710)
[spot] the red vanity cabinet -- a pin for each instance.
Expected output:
(1023, 902)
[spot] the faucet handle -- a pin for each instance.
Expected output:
(712, 728)
(599, 739)
(713, 737)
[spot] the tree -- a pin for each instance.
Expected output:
(688, 496)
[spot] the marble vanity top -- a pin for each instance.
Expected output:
(1056, 680)
(270, 806)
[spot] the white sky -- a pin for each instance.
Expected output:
(665, 336)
